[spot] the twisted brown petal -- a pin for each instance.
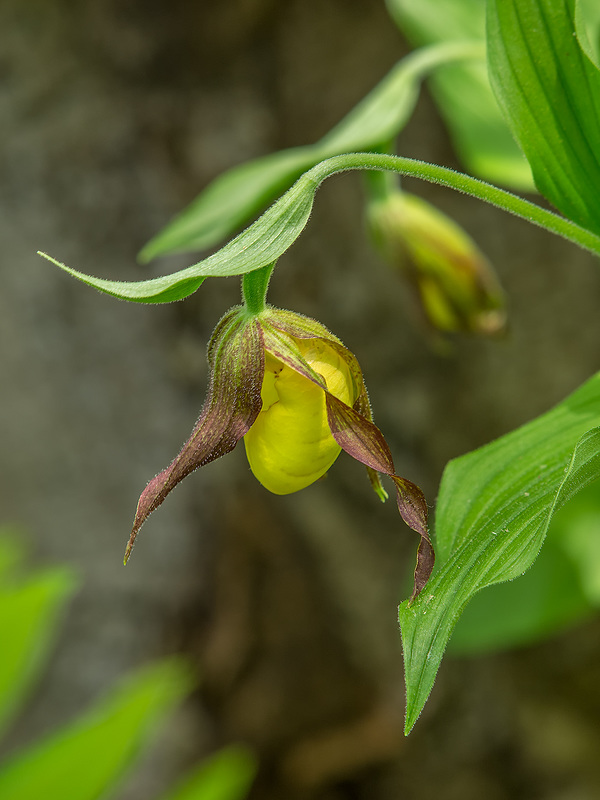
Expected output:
(363, 440)
(236, 358)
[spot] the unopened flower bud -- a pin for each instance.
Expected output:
(456, 285)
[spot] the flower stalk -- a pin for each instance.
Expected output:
(254, 289)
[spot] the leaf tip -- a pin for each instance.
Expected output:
(146, 254)
(410, 721)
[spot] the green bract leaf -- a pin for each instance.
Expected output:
(550, 93)
(258, 246)
(493, 512)
(29, 613)
(462, 91)
(240, 193)
(269, 237)
(84, 760)
(227, 775)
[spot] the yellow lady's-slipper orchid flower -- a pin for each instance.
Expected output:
(296, 395)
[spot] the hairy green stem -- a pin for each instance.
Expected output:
(462, 183)
(254, 288)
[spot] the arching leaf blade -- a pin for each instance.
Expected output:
(494, 508)
(258, 246)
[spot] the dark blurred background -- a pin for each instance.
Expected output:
(113, 115)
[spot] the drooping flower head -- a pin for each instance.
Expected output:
(297, 397)
(456, 285)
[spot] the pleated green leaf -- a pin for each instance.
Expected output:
(493, 511)
(239, 194)
(479, 131)
(550, 93)
(261, 244)
(86, 759)
(30, 611)
(227, 775)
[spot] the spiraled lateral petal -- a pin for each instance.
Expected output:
(281, 347)
(233, 402)
(363, 440)
(362, 406)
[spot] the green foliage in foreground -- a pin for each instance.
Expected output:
(560, 589)
(87, 758)
(493, 512)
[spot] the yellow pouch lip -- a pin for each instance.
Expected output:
(290, 445)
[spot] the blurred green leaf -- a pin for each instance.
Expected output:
(235, 197)
(84, 760)
(229, 201)
(462, 91)
(227, 775)
(579, 538)
(587, 27)
(30, 611)
(493, 511)
(378, 118)
(550, 93)
(11, 551)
